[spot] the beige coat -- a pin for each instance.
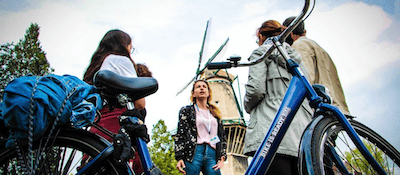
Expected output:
(321, 70)
(265, 90)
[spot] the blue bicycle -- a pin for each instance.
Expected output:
(332, 143)
(64, 149)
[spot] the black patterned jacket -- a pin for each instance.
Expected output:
(186, 136)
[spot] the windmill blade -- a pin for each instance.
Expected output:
(205, 41)
(202, 49)
(239, 103)
(219, 53)
(180, 91)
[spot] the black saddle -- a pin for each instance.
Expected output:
(113, 84)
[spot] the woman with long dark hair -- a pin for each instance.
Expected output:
(113, 53)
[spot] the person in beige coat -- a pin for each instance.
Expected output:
(320, 67)
(265, 89)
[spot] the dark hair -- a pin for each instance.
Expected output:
(213, 109)
(143, 71)
(299, 30)
(113, 42)
(270, 28)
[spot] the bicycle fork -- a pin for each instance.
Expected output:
(353, 136)
(147, 164)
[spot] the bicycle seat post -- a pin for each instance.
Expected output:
(130, 106)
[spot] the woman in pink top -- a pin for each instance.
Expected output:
(200, 143)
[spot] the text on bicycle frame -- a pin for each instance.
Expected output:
(275, 131)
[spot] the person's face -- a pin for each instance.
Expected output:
(260, 40)
(201, 90)
(130, 48)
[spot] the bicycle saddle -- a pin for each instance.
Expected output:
(111, 83)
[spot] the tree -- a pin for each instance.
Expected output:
(356, 159)
(162, 149)
(24, 58)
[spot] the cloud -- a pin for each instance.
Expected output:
(359, 38)
(256, 8)
(15, 6)
(350, 35)
(376, 106)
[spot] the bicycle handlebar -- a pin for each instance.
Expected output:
(280, 38)
(219, 65)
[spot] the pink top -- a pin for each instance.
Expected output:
(207, 126)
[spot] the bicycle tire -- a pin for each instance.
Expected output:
(328, 129)
(70, 143)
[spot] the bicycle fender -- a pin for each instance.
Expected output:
(305, 145)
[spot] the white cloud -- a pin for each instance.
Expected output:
(256, 8)
(349, 34)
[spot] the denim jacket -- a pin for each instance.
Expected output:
(186, 136)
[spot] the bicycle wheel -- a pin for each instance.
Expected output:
(69, 152)
(344, 157)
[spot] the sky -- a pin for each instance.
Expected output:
(361, 36)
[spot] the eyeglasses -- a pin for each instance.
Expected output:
(132, 49)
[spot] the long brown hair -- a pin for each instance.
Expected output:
(213, 109)
(113, 42)
(270, 28)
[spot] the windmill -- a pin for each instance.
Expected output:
(224, 97)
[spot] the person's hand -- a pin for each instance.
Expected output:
(180, 165)
(219, 164)
(138, 113)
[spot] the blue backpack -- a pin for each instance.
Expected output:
(46, 100)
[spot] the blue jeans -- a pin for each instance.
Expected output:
(204, 160)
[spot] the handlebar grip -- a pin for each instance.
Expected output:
(219, 65)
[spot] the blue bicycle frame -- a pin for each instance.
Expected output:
(298, 89)
(143, 152)
(144, 155)
(279, 126)
(147, 163)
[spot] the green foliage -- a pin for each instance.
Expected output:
(356, 159)
(162, 149)
(24, 58)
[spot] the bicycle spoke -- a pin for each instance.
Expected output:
(329, 134)
(63, 155)
(69, 162)
(62, 159)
